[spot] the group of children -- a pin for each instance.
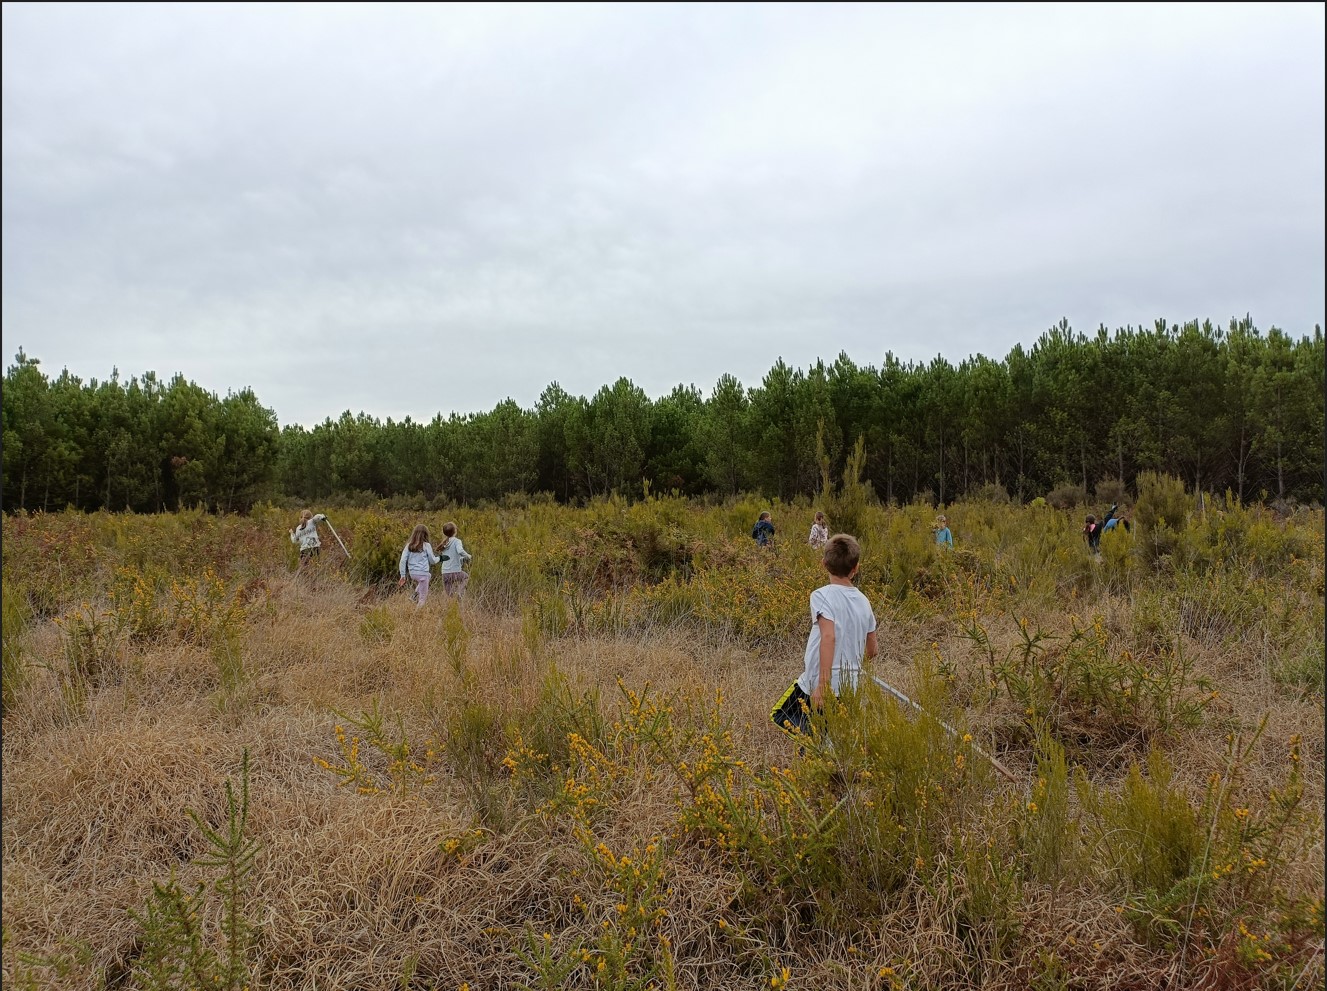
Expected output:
(417, 558)
(843, 629)
(1093, 528)
(763, 532)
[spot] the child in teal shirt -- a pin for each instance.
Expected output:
(943, 538)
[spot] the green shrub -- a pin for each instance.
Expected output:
(1048, 834)
(846, 505)
(1149, 836)
(1300, 666)
(906, 560)
(991, 493)
(1161, 514)
(376, 542)
(1117, 561)
(1066, 496)
(408, 766)
(1246, 539)
(560, 713)
(1110, 492)
(91, 642)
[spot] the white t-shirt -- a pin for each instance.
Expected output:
(852, 616)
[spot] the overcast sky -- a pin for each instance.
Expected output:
(416, 209)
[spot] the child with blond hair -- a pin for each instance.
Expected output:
(305, 533)
(943, 538)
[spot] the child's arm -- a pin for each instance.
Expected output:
(871, 650)
(826, 659)
(460, 550)
(405, 556)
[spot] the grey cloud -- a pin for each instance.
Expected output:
(315, 200)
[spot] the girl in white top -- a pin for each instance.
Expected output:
(306, 535)
(454, 555)
(416, 561)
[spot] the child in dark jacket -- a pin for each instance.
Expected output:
(763, 532)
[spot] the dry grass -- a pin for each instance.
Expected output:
(436, 888)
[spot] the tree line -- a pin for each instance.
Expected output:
(1223, 408)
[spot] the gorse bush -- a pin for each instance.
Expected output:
(91, 641)
(1161, 514)
(845, 505)
(1080, 687)
(399, 766)
(1150, 835)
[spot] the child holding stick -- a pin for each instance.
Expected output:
(305, 533)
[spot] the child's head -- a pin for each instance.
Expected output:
(942, 520)
(1090, 518)
(842, 554)
(449, 529)
(305, 516)
(820, 517)
(418, 537)
(765, 515)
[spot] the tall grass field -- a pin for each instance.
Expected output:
(222, 773)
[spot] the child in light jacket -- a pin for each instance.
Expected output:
(454, 556)
(417, 561)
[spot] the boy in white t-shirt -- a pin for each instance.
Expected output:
(842, 634)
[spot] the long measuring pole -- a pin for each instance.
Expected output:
(952, 732)
(336, 535)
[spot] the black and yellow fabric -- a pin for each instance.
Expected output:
(792, 713)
